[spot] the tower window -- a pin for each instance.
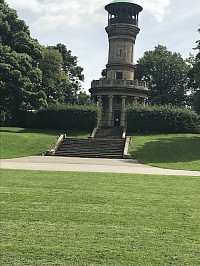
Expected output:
(119, 75)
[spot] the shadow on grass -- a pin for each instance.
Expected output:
(173, 150)
(29, 130)
(43, 131)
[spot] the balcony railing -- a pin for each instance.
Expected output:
(123, 20)
(120, 83)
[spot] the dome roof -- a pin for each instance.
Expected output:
(123, 1)
(130, 2)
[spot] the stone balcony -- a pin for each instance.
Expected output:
(119, 83)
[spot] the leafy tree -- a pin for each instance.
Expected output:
(166, 74)
(197, 63)
(83, 98)
(61, 76)
(197, 77)
(52, 76)
(72, 71)
(17, 78)
(196, 101)
(32, 76)
(193, 87)
(20, 75)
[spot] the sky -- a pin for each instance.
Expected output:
(80, 25)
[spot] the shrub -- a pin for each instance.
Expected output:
(162, 119)
(68, 117)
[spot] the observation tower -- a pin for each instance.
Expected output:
(118, 88)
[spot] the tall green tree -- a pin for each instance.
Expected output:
(73, 71)
(197, 63)
(197, 78)
(62, 77)
(70, 65)
(166, 73)
(52, 76)
(20, 76)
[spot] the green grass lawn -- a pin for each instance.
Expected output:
(58, 218)
(175, 151)
(20, 142)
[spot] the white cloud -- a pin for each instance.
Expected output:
(158, 8)
(74, 15)
(31, 5)
(62, 14)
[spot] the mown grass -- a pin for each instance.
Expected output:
(21, 142)
(175, 151)
(57, 218)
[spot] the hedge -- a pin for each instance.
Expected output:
(67, 118)
(18, 119)
(162, 119)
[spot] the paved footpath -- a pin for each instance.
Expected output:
(53, 163)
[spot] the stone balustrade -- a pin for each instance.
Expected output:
(120, 82)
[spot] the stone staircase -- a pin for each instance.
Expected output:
(106, 143)
(109, 132)
(91, 148)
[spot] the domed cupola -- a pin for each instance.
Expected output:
(124, 11)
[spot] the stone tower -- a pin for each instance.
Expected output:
(119, 88)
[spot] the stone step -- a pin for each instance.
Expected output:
(107, 143)
(109, 132)
(90, 146)
(93, 141)
(88, 149)
(90, 155)
(101, 148)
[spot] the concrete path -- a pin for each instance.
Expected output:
(52, 163)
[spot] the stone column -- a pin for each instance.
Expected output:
(123, 112)
(136, 99)
(99, 101)
(110, 110)
(143, 101)
(99, 106)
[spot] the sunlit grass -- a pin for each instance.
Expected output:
(58, 218)
(20, 142)
(176, 151)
